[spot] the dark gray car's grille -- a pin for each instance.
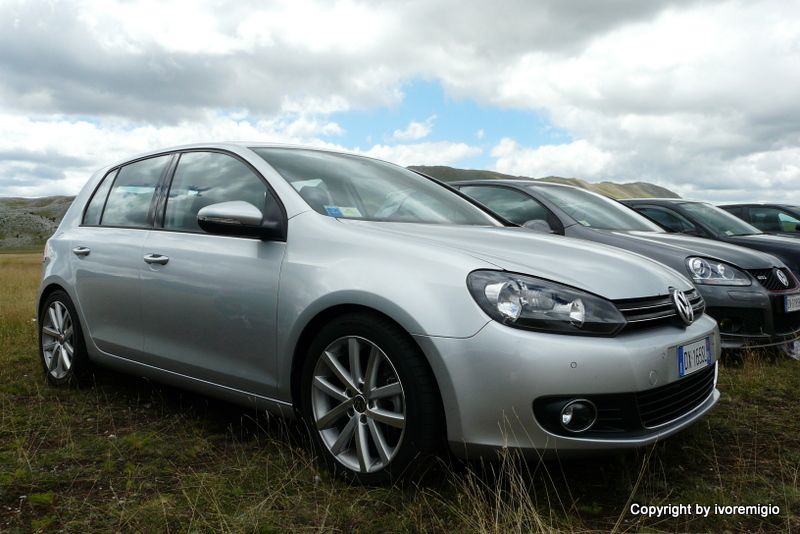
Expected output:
(649, 311)
(667, 403)
(769, 279)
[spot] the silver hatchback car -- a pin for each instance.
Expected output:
(385, 309)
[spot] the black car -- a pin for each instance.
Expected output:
(741, 287)
(778, 219)
(705, 220)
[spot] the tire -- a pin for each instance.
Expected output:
(384, 424)
(62, 350)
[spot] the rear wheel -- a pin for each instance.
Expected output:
(370, 400)
(61, 347)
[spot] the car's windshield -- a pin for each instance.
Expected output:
(353, 187)
(596, 211)
(719, 220)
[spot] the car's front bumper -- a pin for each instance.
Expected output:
(490, 381)
(750, 316)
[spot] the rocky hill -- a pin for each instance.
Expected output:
(614, 190)
(26, 223)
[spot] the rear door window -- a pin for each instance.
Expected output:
(129, 201)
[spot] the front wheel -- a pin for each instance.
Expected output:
(370, 399)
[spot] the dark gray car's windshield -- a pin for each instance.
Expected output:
(352, 187)
(596, 211)
(719, 220)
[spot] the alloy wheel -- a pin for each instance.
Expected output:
(58, 340)
(358, 404)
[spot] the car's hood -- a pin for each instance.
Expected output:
(785, 248)
(606, 271)
(657, 245)
(767, 240)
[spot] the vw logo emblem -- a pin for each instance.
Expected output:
(782, 277)
(683, 307)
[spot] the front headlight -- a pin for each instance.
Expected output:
(535, 304)
(712, 272)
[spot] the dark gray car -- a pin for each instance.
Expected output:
(742, 287)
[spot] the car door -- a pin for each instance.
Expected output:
(106, 254)
(209, 301)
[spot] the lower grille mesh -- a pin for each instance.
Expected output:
(666, 403)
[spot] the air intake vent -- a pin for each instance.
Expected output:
(666, 403)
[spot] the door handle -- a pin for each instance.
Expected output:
(156, 259)
(81, 251)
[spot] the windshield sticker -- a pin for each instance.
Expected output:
(341, 211)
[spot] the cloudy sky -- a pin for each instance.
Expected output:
(698, 96)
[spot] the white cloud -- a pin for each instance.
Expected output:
(56, 156)
(415, 130)
(480, 134)
(699, 96)
(429, 153)
(576, 159)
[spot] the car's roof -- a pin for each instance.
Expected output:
(253, 144)
(661, 201)
(231, 145)
(520, 182)
(765, 204)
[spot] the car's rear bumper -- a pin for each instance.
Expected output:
(489, 383)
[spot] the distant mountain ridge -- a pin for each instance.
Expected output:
(26, 223)
(611, 189)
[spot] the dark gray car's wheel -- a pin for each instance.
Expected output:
(61, 347)
(369, 399)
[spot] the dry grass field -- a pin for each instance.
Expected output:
(125, 454)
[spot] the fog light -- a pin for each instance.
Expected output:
(578, 415)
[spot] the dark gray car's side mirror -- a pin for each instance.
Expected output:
(238, 218)
(539, 225)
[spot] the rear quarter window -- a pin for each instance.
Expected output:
(94, 210)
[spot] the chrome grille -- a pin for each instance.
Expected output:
(653, 310)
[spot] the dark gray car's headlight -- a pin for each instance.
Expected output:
(536, 304)
(716, 273)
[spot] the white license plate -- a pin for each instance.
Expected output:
(792, 303)
(694, 356)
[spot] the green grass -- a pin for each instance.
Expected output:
(127, 455)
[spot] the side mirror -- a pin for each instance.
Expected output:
(238, 218)
(538, 225)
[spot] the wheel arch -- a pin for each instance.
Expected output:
(46, 291)
(53, 284)
(325, 316)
